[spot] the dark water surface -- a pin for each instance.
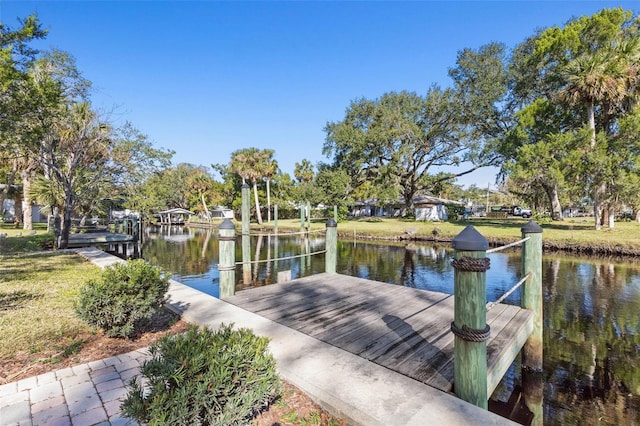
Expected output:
(591, 309)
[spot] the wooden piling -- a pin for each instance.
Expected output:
(246, 239)
(227, 259)
(532, 293)
(331, 245)
(470, 317)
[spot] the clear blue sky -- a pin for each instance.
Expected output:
(205, 78)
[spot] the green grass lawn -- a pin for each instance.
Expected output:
(37, 319)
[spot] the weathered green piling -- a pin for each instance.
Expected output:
(331, 245)
(532, 293)
(227, 263)
(470, 317)
(532, 299)
(246, 239)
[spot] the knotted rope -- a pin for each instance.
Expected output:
(471, 334)
(471, 264)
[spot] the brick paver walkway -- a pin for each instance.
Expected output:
(86, 394)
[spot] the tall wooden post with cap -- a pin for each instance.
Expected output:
(246, 239)
(227, 262)
(532, 299)
(331, 244)
(470, 317)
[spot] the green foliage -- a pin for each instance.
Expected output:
(123, 298)
(343, 212)
(541, 218)
(204, 377)
(454, 210)
(390, 144)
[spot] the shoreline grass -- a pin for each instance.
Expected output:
(576, 235)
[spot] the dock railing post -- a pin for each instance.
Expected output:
(227, 263)
(532, 351)
(331, 245)
(246, 239)
(532, 293)
(470, 317)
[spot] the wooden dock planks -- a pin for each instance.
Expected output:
(400, 328)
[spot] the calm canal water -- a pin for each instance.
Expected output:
(591, 311)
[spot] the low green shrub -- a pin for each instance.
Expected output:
(124, 297)
(202, 377)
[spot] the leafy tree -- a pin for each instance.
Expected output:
(589, 66)
(334, 186)
(74, 153)
(394, 142)
(16, 59)
(134, 160)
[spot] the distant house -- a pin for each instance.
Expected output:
(220, 212)
(9, 207)
(173, 216)
(425, 208)
(432, 208)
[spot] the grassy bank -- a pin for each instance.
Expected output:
(37, 320)
(573, 235)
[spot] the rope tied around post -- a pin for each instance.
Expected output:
(471, 264)
(471, 334)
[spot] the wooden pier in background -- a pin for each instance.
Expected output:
(98, 238)
(120, 244)
(404, 329)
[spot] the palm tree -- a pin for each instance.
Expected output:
(303, 171)
(595, 79)
(200, 182)
(247, 164)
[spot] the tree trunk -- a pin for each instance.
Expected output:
(255, 195)
(596, 208)
(638, 215)
(206, 209)
(66, 222)
(612, 216)
(592, 123)
(17, 209)
(26, 196)
(597, 191)
(554, 200)
(4, 194)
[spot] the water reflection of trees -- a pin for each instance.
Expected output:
(192, 254)
(592, 342)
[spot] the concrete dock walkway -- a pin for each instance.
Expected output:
(346, 385)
